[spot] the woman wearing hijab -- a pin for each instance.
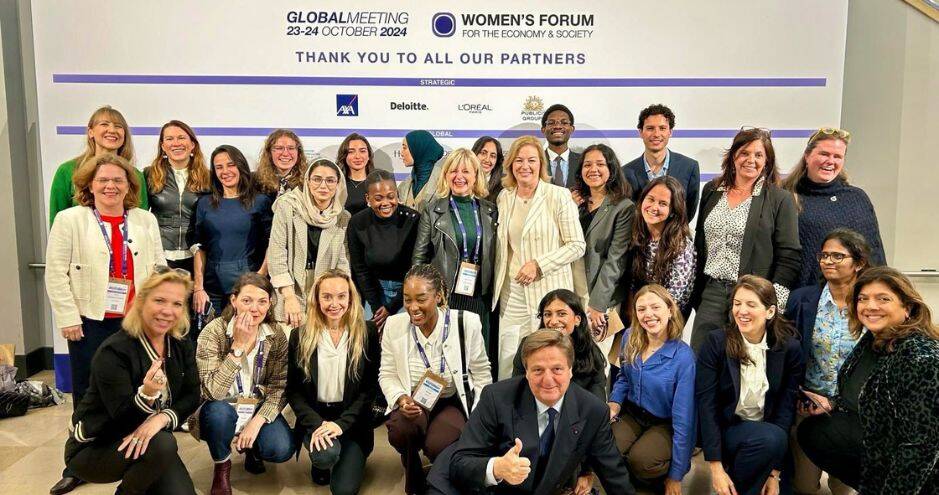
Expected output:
(308, 237)
(420, 151)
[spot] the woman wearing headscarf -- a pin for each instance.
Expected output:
(420, 151)
(308, 237)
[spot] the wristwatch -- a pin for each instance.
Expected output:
(238, 352)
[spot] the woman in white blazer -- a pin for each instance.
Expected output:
(97, 253)
(429, 342)
(538, 239)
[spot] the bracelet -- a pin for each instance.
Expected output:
(777, 477)
(148, 397)
(198, 290)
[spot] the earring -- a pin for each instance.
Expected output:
(191, 155)
(164, 157)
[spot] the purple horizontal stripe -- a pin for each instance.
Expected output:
(627, 82)
(441, 133)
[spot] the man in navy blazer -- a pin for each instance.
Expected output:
(534, 434)
(655, 128)
(557, 125)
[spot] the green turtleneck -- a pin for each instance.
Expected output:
(464, 206)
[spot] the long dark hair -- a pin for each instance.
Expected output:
(854, 243)
(616, 186)
(778, 328)
(246, 189)
(587, 356)
(344, 152)
(919, 319)
(675, 234)
(744, 138)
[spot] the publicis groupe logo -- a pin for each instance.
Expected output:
(532, 109)
(443, 24)
(347, 105)
(476, 108)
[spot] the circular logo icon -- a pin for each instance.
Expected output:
(443, 24)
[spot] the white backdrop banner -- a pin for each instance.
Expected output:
(236, 70)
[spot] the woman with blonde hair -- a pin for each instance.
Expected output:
(242, 360)
(652, 403)
(108, 132)
(282, 163)
(308, 237)
(332, 382)
(175, 179)
(537, 241)
(143, 383)
(457, 236)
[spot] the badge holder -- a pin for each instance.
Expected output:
(115, 299)
(428, 390)
(466, 279)
(245, 407)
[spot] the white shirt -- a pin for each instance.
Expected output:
(331, 367)
(542, 425)
(248, 360)
(433, 348)
(565, 162)
(753, 382)
(182, 178)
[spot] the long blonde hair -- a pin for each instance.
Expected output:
(353, 320)
(791, 182)
(266, 176)
(508, 177)
(638, 338)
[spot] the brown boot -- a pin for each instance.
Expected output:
(221, 480)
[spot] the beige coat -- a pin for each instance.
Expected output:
(78, 259)
(287, 251)
(552, 237)
(428, 193)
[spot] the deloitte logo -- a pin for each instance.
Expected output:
(443, 24)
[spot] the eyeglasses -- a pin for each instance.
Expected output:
(117, 181)
(834, 257)
(760, 130)
(281, 149)
(162, 269)
(831, 131)
(562, 123)
(330, 181)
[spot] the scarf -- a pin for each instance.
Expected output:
(300, 200)
(426, 151)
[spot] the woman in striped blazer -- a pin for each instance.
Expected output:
(538, 239)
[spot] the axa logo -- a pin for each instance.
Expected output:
(347, 105)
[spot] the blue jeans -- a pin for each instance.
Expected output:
(217, 427)
(390, 288)
(344, 460)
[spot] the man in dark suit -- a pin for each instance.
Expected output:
(655, 128)
(534, 434)
(557, 125)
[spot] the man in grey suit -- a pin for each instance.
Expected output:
(655, 128)
(557, 125)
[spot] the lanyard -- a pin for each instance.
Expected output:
(107, 240)
(420, 348)
(257, 371)
(479, 233)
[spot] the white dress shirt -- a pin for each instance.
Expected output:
(542, 425)
(433, 348)
(248, 360)
(331, 367)
(565, 162)
(753, 382)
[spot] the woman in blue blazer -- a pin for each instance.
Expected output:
(746, 383)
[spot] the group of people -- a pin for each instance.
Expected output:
(511, 317)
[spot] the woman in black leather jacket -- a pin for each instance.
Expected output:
(175, 179)
(457, 236)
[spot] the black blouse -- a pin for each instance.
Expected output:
(381, 249)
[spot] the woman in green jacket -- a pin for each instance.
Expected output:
(108, 132)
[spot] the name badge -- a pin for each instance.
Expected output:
(115, 300)
(466, 279)
(245, 407)
(428, 389)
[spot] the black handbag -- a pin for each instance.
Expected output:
(13, 404)
(470, 393)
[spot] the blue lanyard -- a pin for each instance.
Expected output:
(479, 233)
(107, 241)
(420, 348)
(257, 372)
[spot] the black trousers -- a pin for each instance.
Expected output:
(159, 471)
(80, 352)
(834, 444)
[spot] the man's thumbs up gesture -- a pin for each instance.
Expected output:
(511, 467)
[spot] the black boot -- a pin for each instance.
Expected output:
(253, 462)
